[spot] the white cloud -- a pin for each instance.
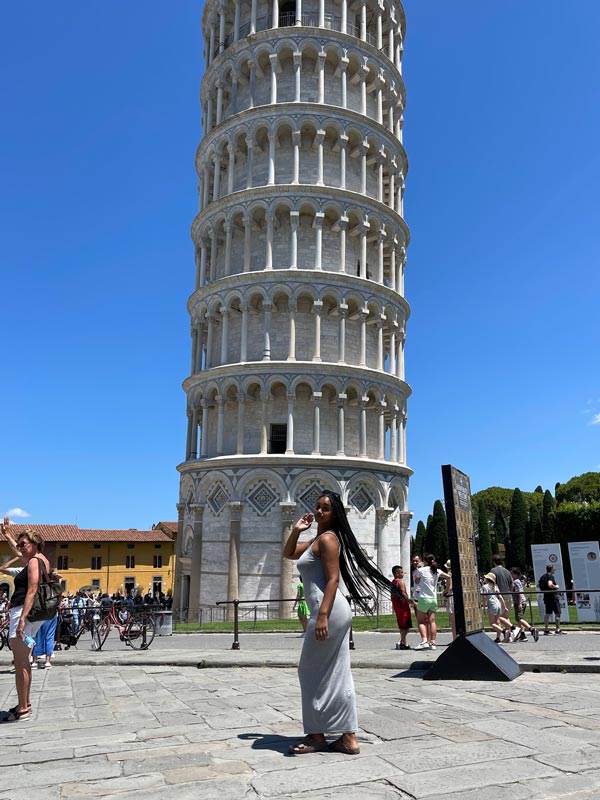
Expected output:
(18, 513)
(595, 420)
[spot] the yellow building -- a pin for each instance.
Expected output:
(108, 561)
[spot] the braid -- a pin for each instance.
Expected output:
(360, 574)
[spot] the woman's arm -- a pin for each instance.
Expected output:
(329, 553)
(33, 579)
(6, 567)
(8, 536)
(292, 549)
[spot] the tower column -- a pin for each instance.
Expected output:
(209, 341)
(317, 397)
(343, 140)
(196, 568)
(233, 575)
(269, 247)
(228, 234)
(381, 431)
(240, 423)
(343, 224)
(342, 333)
(220, 424)
(288, 517)
(317, 308)
(294, 220)
(224, 335)
(362, 438)
(363, 338)
(380, 323)
(267, 307)
(319, 218)
(296, 167)
(341, 400)
(292, 334)
(244, 342)
(204, 440)
(247, 240)
(298, 76)
(289, 444)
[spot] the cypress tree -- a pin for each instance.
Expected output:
(533, 536)
(517, 531)
(548, 508)
(499, 531)
(427, 540)
(419, 539)
(484, 543)
(438, 533)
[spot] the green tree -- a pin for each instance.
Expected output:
(534, 533)
(427, 541)
(548, 508)
(499, 538)
(484, 543)
(581, 489)
(517, 531)
(419, 539)
(437, 534)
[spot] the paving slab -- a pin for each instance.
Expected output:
(229, 733)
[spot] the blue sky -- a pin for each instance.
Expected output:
(101, 121)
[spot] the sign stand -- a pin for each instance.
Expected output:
(472, 656)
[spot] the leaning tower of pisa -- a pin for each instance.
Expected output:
(298, 315)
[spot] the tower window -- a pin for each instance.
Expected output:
(278, 439)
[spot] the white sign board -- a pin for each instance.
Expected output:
(542, 555)
(585, 567)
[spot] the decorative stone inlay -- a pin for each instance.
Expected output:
(262, 498)
(310, 495)
(218, 498)
(361, 500)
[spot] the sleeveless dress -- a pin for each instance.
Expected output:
(328, 700)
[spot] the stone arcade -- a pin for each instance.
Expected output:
(298, 316)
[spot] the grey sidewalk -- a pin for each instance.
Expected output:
(130, 732)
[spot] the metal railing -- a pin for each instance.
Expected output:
(309, 19)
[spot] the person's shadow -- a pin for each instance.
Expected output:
(271, 741)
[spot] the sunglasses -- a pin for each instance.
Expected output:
(21, 545)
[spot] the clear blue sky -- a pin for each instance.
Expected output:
(101, 119)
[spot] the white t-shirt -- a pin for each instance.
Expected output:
(428, 583)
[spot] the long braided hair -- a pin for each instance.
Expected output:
(361, 576)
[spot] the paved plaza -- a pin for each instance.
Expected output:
(133, 730)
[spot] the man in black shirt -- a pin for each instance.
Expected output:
(549, 587)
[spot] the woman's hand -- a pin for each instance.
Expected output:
(322, 627)
(304, 523)
(20, 627)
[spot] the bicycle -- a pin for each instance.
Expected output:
(137, 629)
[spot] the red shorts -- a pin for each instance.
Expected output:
(402, 612)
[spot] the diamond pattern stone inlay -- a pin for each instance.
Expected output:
(362, 500)
(262, 498)
(310, 495)
(217, 499)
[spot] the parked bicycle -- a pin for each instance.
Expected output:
(136, 628)
(4, 629)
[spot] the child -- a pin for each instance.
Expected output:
(496, 606)
(520, 603)
(401, 606)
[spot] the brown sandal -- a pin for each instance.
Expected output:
(340, 746)
(308, 745)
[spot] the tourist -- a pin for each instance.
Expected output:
(303, 613)
(415, 563)
(427, 578)
(449, 598)
(504, 580)
(29, 545)
(328, 699)
(43, 650)
(401, 606)
(549, 587)
(520, 604)
(497, 609)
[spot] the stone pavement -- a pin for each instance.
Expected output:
(129, 731)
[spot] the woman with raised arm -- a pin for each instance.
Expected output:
(328, 700)
(29, 546)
